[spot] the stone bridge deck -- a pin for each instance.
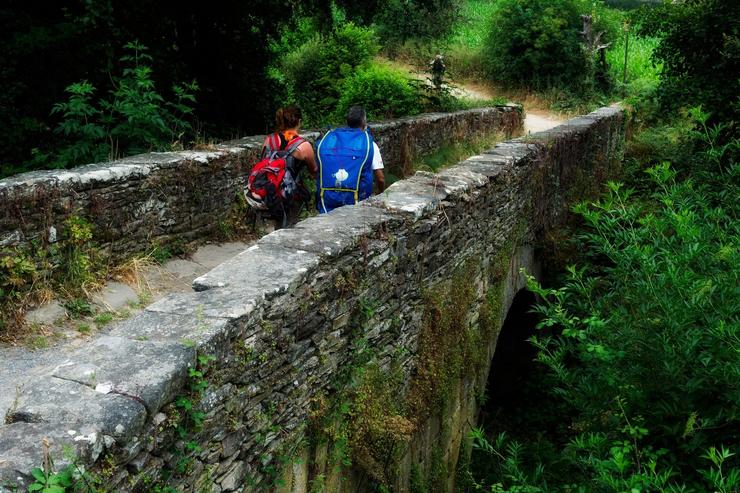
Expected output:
(276, 338)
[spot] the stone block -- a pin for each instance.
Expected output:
(260, 271)
(115, 296)
(329, 235)
(46, 314)
(152, 373)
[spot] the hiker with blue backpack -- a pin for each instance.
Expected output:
(349, 161)
(275, 186)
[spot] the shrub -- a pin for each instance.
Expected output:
(535, 43)
(699, 49)
(135, 119)
(314, 73)
(400, 20)
(383, 91)
(538, 43)
(656, 297)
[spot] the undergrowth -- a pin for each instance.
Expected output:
(653, 293)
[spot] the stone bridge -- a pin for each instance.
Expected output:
(339, 355)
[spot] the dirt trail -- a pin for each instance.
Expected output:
(536, 119)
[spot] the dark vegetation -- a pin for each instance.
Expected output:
(635, 381)
(99, 79)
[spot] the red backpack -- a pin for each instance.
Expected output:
(272, 182)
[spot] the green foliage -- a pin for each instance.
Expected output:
(505, 456)
(103, 319)
(47, 47)
(188, 403)
(698, 43)
(50, 482)
(78, 308)
(77, 255)
(73, 478)
(70, 267)
(79, 126)
(536, 43)
(645, 258)
(539, 44)
(314, 72)
(472, 28)
(383, 91)
(400, 20)
(135, 119)
(18, 271)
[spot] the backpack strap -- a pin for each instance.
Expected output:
(272, 146)
(294, 144)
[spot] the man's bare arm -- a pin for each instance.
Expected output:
(379, 180)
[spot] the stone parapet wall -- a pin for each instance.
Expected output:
(167, 197)
(273, 330)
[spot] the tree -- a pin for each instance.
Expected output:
(47, 47)
(700, 51)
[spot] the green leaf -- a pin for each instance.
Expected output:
(38, 474)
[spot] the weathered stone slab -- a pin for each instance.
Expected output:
(328, 235)
(115, 296)
(151, 373)
(46, 314)
(70, 406)
(261, 270)
(22, 449)
(187, 329)
(416, 196)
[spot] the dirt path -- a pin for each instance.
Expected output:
(536, 119)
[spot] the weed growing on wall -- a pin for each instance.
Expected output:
(70, 266)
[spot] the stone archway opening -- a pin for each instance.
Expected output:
(511, 388)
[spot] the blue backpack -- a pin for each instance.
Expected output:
(345, 157)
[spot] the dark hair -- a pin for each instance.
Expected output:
(288, 117)
(356, 117)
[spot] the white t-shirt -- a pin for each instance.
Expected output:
(377, 158)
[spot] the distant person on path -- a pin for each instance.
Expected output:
(275, 183)
(349, 161)
(437, 67)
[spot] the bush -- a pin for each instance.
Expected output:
(313, 74)
(400, 20)
(538, 43)
(699, 49)
(135, 119)
(648, 348)
(383, 91)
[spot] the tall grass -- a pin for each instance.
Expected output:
(472, 28)
(642, 73)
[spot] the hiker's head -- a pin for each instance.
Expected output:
(288, 118)
(356, 117)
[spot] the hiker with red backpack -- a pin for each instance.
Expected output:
(275, 185)
(348, 163)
